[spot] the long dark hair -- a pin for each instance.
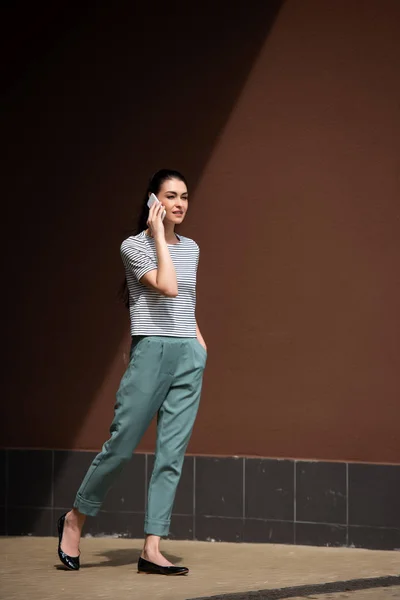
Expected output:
(153, 187)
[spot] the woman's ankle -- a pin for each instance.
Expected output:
(151, 545)
(76, 518)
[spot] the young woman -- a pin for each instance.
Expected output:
(164, 376)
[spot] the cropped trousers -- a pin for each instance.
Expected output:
(164, 377)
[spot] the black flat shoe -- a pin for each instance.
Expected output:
(71, 562)
(144, 566)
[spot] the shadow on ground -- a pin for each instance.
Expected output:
(304, 591)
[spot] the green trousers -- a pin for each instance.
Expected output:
(164, 377)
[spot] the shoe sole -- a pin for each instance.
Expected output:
(165, 574)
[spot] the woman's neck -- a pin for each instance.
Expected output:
(170, 235)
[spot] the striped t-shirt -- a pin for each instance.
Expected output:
(151, 313)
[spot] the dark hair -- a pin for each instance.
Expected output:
(153, 187)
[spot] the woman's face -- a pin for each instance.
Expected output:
(173, 195)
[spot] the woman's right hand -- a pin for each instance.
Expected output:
(155, 221)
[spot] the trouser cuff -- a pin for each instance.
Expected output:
(156, 527)
(86, 507)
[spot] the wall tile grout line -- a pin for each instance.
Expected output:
(261, 519)
(380, 527)
(294, 500)
(322, 523)
(194, 498)
(244, 488)
(7, 491)
(52, 479)
(30, 507)
(138, 512)
(347, 504)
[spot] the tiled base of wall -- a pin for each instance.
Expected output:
(221, 499)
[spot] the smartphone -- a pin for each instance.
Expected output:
(153, 198)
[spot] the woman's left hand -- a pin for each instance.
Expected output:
(200, 338)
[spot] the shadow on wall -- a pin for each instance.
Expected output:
(96, 101)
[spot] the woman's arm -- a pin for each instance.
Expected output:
(163, 279)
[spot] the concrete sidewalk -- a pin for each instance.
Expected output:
(30, 571)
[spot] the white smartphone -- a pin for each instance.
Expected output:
(153, 198)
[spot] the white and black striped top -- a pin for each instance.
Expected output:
(151, 313)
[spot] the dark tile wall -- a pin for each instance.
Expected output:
(321, 492)
(3, 477)
(222, 499)
(269, 486)
(219, 487)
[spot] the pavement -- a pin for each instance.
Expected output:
(30, 571)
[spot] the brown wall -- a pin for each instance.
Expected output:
(288, 129)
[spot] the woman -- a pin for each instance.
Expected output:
(164, 376)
